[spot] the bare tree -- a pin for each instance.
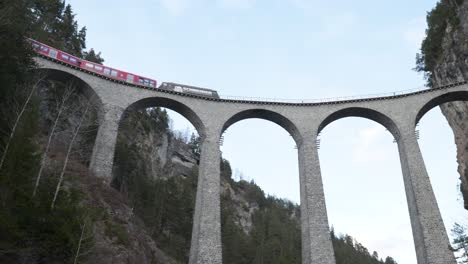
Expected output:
(77, 254)
(18, 118)
(61, 106)
(67, 156)
(82, 240)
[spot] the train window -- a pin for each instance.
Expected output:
(89, 65)
(129, 78)
(107, 71)
(141, 80)
(65, 57)
(36, 46)
(73, 60)
(114, 73)
(98, 68)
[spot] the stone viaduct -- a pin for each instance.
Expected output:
(304, 121)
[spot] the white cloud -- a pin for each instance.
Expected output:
(237, 4)
(175, 7)
(414, 32)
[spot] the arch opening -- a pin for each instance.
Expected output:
(156, 168)
(82, 86)
(260, 215)
(173, 105)
(439, 100)
(364, 188)
(454, 107)
(268, 115)
(438, 130)
(68, 106)
(367, 113)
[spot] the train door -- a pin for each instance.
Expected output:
(130, 78)
(53, 53)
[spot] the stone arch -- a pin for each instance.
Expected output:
(268, 115)
(174, 105)
(86, 89)
(441, 99)
(367, 113)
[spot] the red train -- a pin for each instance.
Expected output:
(119, 75)
(91, 66)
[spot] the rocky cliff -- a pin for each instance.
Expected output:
(451, 65)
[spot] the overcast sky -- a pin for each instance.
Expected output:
(297, 49)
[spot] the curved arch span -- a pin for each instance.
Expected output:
(364, 113)
(174, 105)
(441, 99)
(268, 115)
(63, 76)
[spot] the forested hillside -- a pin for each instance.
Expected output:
(54, 211)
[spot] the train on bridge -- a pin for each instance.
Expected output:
(115, 74)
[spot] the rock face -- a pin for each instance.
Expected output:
(163, 153)
(243, 208)
(453, 67)
(167, 154)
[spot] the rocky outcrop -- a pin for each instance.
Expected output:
(167, 154)
(163, 154)
(243, 209)
(453, 67)
(119, 236)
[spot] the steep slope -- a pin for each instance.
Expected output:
(444, 59)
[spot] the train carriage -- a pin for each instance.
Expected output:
(182, 88)
(118, 74)
(55, 53)
(108, 72)
(115, 74)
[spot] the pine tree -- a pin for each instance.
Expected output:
(92, 56)
(460, 240)
(54, 23)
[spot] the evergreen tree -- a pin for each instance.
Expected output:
(92, 56)
(460, 240)
(438, 19)
(194, 144)
(54, 23)
(27, 226)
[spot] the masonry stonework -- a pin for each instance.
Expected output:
(304, 121)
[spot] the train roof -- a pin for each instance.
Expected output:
(188, 86)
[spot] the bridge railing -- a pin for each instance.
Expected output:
(421, 89)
